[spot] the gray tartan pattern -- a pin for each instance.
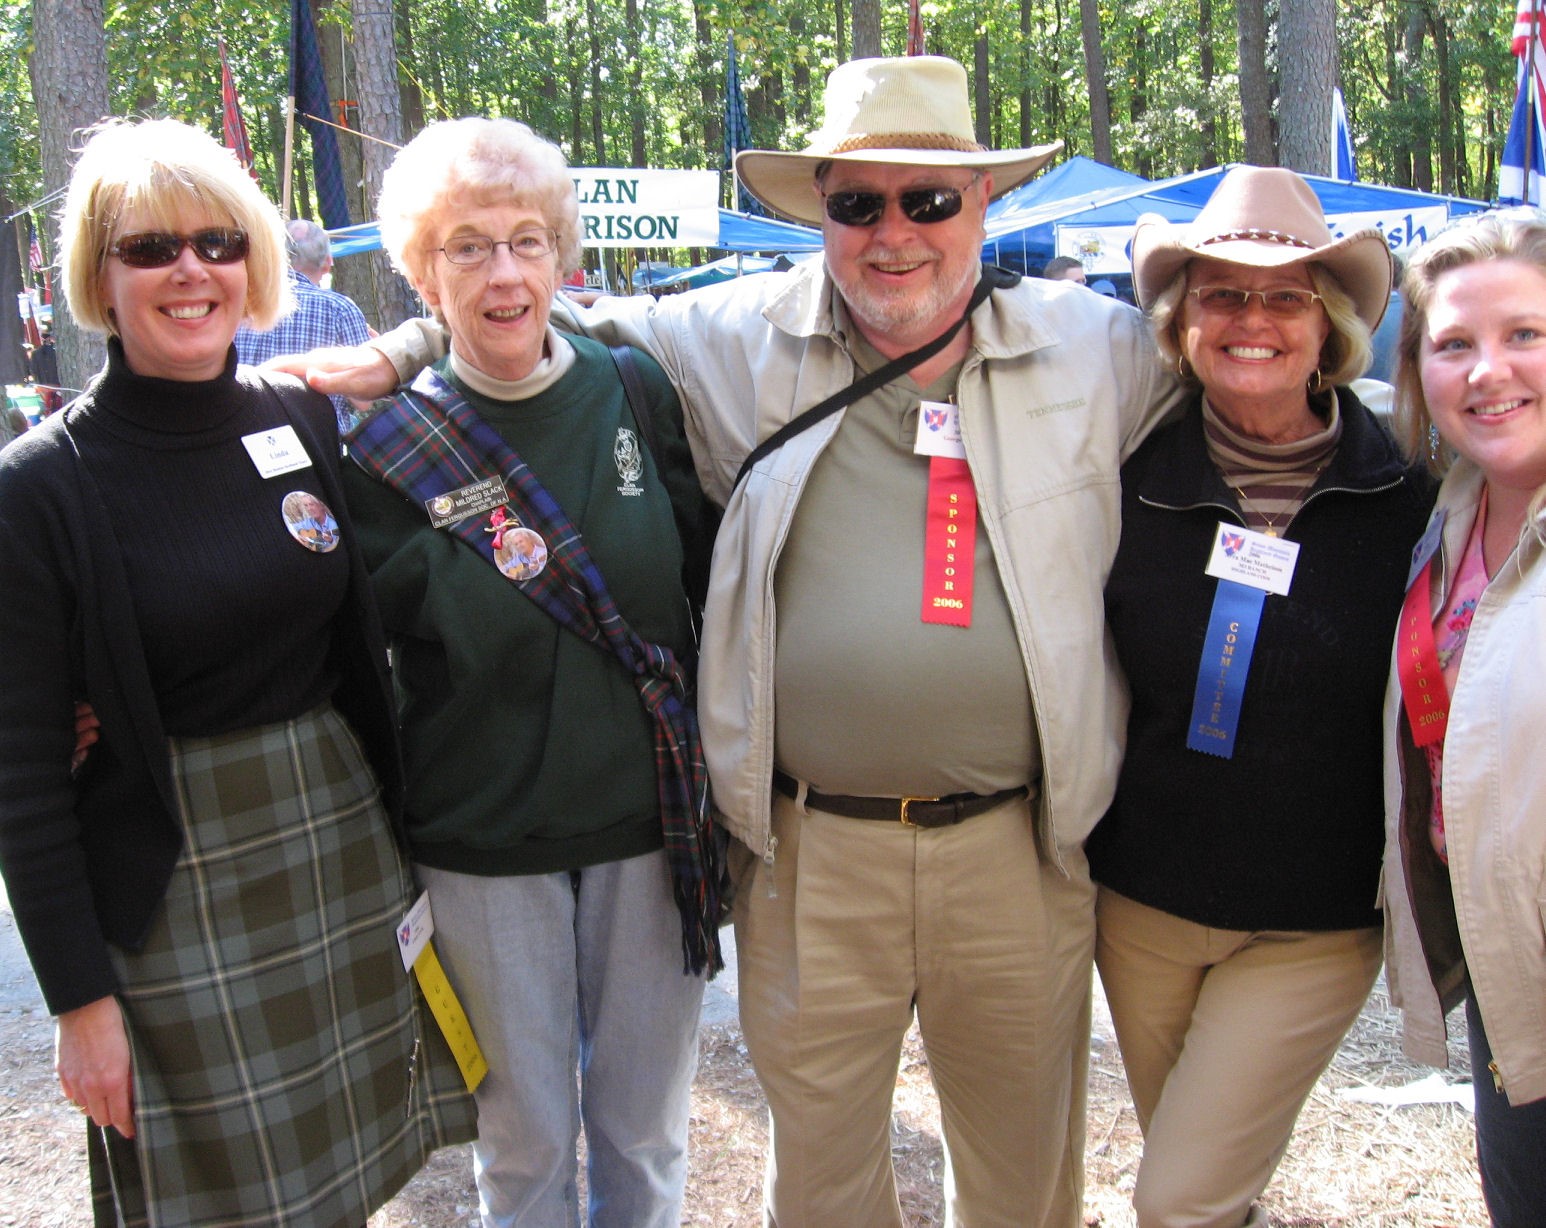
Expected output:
(280, 1055)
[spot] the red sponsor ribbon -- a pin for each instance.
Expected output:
(1423, 692)
(949, 543)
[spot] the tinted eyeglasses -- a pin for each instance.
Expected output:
(922, 205)
(1226, 300)
(155, 249)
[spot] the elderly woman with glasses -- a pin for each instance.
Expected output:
(211, 902)
(1264, 548)
(538, 542)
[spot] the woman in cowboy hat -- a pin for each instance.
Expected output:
(1265, 539)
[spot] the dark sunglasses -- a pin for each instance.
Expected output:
(922, 205)
(155, 249)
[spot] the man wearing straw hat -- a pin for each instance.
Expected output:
(909, 706)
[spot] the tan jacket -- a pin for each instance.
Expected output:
(1487, 916)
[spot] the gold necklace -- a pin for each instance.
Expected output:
(1251, 505)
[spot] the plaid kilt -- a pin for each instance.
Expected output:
(286, 1071)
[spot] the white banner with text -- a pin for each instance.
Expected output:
(647, 208)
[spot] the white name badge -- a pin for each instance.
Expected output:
(1253, 559)
(276, 451)
(415, 930)
(939, 430)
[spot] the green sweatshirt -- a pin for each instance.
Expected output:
(527, 749)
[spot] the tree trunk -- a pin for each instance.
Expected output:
(1027, 38)
(410, 97)
(69, 88)
(1417, 101)
(1138, 99)
(13, 359)
(381, 117)
(1255, 84)
(982, 102)
(1095, 77)
(597, 91)
(865, 19)
(710, 84)
(1209, 118)
(1307, 73)
(1451, 160)
(635, 72)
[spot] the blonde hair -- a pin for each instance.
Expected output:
(164, 170)
(1507, 234)
(1344, 356)
(491, 161)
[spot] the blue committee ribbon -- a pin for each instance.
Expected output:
(1226, 661)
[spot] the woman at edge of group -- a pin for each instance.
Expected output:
(1238, 930)
(570, 867)
(210, 905)
(1465, 865)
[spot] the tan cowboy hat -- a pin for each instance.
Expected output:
(1268, 218)
(910, 109)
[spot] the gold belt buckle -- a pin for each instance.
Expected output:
(908, 801)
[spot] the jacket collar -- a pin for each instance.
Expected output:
(1009, 324)
(1180, 474)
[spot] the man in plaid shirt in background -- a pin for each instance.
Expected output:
(321, 317)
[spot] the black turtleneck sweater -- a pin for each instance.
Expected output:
(233, 612)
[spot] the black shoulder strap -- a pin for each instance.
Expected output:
(992, 278)
(633, 389)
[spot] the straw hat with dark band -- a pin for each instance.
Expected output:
(908, 109)
(1264, 217)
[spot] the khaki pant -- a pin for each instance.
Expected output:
(857, 925)
(1223, 1034)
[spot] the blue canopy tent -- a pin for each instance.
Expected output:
(1097, 226)
(723, 269)
(738, 232)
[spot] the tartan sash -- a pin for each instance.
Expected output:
(429, 441)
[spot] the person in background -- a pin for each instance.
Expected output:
(1465, 851)
(1237, 926)
(210, 903)
(543, 638)
(910, 774)
(321, 316)
(1063, 268)
(13, 424)
(43, 368)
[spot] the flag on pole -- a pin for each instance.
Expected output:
(1342, 165)
(738, 130)
(914, 29)
(308, 89)
(39, 267)
(234, 128)
(1524, 152)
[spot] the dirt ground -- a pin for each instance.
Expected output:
(1350, 1162)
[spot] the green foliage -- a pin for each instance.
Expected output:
(578, 72)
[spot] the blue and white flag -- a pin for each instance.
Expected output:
(1524, 152)
(1343, 166)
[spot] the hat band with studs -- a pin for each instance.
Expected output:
(1260, 236)
(905, 140)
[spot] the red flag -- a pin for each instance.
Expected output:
(914, 29)
(235, 129)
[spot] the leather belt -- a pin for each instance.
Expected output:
(909, 811)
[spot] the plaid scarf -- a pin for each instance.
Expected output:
(429, 441)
